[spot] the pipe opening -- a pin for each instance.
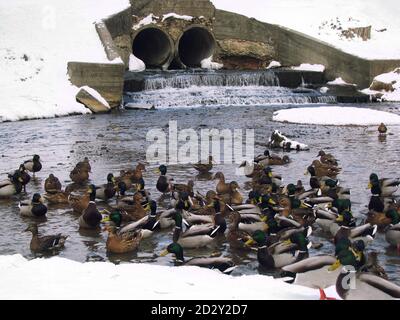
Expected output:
(153, 46)
(195, 45)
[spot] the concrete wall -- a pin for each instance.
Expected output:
(107, 79)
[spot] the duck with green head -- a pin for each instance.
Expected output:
(11, 186)
(33, 165)
(387, 186)
(108, 190)
(33, 208)
(269, 261)
(222, 264)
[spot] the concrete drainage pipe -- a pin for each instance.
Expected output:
(154, 47)
(195, 44)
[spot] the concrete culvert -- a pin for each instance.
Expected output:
(154, 47)
(195, 45)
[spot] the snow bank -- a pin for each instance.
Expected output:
(150, 19)
(209, 64)
(310, 67)
(176, 16)
(38, 39)
(274, 64)
(336, 116)
(60, 278)
(386, 86)
(135, 64)
(326, 21)
(340, 82)
(278, 140)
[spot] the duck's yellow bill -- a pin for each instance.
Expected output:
(370, 185)
(340, 218)
(334, 266)
(271, 201)
(106, 219)
(287, 242)
(164, 253)
(264, 219)
(249, 242)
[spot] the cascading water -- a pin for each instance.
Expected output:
(218, 88)
(197, 96)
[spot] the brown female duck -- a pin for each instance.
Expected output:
(52, 184)
(134, 207)
(204, 167)
(79, 175)
(80, 202)
(222, 187)
(327, 158)
(45, 243)
(122, 242)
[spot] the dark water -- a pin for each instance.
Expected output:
(118, 141)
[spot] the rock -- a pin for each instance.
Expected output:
(361, 32)
(379, 86)
(244, 54)
(92, 100)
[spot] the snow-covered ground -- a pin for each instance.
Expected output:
(60, 278)
(38, 38)
(325, 20)
(336, 116)
(391, 81)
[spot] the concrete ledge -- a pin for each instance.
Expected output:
(107, 79)
(107, 41)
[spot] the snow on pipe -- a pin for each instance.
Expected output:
(154, 47)
(195, 45)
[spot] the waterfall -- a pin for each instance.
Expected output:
(196, 96)
(212, 79)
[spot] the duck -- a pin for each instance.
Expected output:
(125, 180)
(107, 191)
(90, 217)
(320, 172)
(59, 197)
(273, 261)
(272, 160)
(79, 175)
(382, 129)
(222, 264)
(235, 237)
(80, 202)
(52, 184)
(137, 174)
(387, 186)
(195, 236)
(84, 165)
(33, 208)
(353, 285)
(222, 187)
(392, 235)
(186, 188)
(33, 165)
(45, 243)
(11, 186)
(26, 178)
(383, 219)
(327, 158)
(120, 243)
(164, 184)
(134, 207)
(204, 167)
(147, 224)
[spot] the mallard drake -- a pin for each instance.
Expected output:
(147, 224)
(163, 183)
(273, 261)
(33, 165)
(386, 186)
(79, 175)
(52, 184)
(122, 242)
(34, 208)
(84, 165)
(222, 187)
(327, 158)
(134, 206)
(382, 129)
(60, 197)
(90, 217)
(80, 202)
(352, 285)
(45, 243)
(383, 219)
(11, 186)
(107, 191)
(204, 167)
(195, 236)
(392, 235)
(272, 160)
(224, 265)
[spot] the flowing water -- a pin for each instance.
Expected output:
(118, 141)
